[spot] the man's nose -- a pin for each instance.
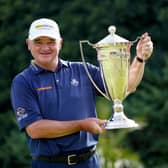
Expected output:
(45, 46)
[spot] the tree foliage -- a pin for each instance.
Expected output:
(151, 141)
(89, 19)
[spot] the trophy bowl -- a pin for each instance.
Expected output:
(113, 54)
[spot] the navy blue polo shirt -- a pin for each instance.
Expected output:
(66, 94)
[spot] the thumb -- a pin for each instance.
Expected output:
(101, 122)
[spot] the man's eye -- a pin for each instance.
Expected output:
(37, 42)
(51, 42)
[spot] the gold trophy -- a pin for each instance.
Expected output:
(113, 54)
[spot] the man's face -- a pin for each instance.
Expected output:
(45, 50)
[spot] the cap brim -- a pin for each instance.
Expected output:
(54, 35)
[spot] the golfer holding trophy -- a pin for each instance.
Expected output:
(113, 54)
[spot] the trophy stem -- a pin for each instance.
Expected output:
(119, 120)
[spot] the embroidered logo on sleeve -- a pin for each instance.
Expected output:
(20, 112)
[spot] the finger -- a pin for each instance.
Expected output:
(100, 122)
(148, 46)
(146, 39)
(144, 35)
(101, 128)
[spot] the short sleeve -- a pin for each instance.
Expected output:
(24, 102)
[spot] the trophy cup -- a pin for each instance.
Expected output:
(113, 54)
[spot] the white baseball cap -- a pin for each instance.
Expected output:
(44, 27)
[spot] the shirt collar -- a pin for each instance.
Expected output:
(38, 69)
(63, 63)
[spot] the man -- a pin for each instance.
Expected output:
(54, 100)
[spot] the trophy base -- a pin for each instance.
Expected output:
(119, 120)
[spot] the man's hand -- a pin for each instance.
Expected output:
(93, 125)
(144, 47)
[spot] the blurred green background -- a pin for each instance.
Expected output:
(89, 19)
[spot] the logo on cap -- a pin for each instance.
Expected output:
(43, 26)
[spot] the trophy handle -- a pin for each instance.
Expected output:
(86, 69)
(134, 41)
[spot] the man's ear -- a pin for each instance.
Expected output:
(27, 43)
(60, 43)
